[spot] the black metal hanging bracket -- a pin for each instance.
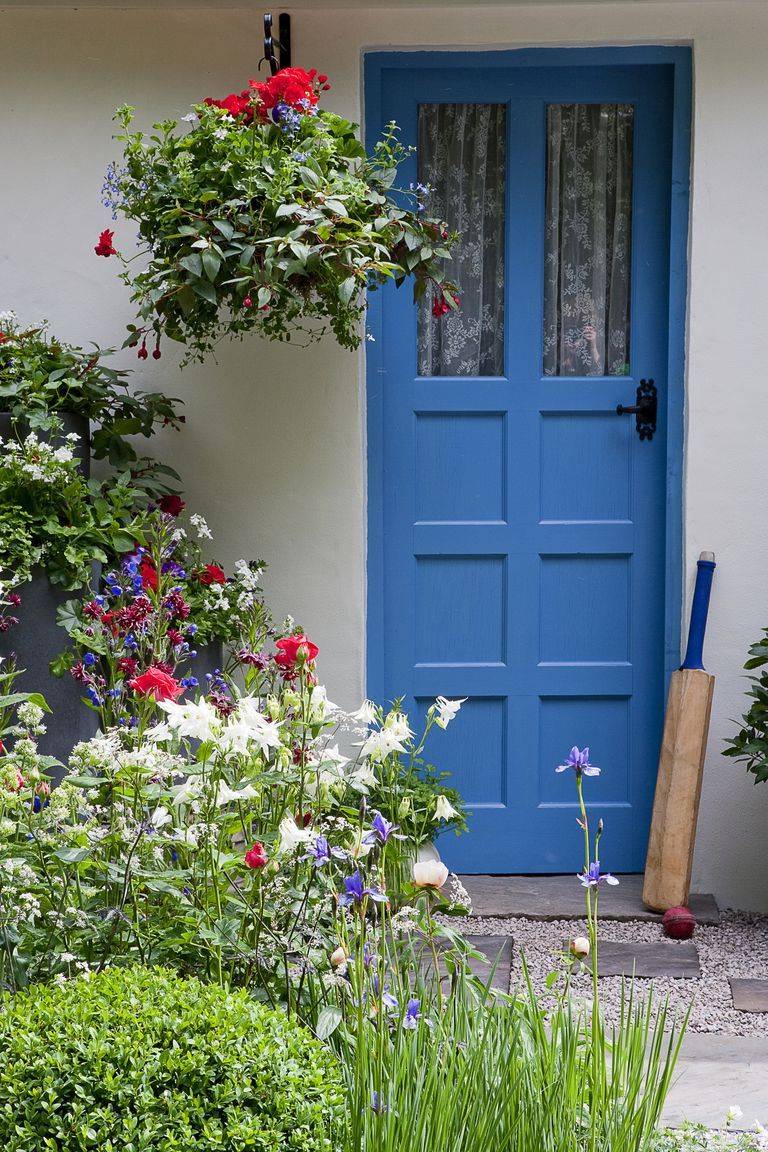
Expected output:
(283, 42)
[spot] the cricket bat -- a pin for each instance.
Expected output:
(681, 762)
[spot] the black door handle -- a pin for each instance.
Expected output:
(645, 410)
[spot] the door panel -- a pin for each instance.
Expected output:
(516, 523)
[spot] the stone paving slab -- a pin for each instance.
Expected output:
(749, 995)
(662, 958)
(562, 898)
(715, 1072)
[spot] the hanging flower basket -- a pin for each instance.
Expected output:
(264, 214)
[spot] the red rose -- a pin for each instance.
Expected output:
(294, 648)
(256, 856)
(172, 504)
(212, 574)
(105, 247)
(157, 683)
(148, 574)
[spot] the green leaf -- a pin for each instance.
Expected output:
(211, 264)
(206, 290)
(227, 230)
(328, 1021)
(347, 289)
(192, 263)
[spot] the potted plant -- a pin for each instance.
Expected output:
(157, 625)
(55, 527)
(265, 214)
(53, 388)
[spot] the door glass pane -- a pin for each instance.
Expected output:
(462, 159)
(588, 236)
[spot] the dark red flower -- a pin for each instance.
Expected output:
(175, 637)
(212, 574)
(172, 504)
(256, 856)
(295, 648)
(105, 247)
(92, 610)
(176, 606)
(127, 665)
(157, 683)
(303, 820)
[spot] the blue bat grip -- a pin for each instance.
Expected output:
(699, 609)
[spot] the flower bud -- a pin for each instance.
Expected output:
(429, 873)
(579, 947)
(338, 957)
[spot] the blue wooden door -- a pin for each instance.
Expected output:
(516, 522)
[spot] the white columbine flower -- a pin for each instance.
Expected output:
(225, 794)
(197, 719)
(381, 744)
(447, 709)
(363, 777)
(160, 817)
(444, 810)
(291, 836)
(366, 713)
(397, 724)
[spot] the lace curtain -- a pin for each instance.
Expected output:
(462, 157)
(588, 234)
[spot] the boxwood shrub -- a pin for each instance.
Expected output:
(140, 1060)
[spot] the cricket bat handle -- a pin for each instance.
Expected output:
(699, 610)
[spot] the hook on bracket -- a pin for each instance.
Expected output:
(283, 42)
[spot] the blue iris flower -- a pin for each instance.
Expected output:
(355, 891)
(593, 877)
(412, 1014)
(381, 830)
(322, 853)
(579, 761)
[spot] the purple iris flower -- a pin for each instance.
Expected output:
(579, 761)
(377, 1104)
(355, 891)
(593, 877)
(322, 853)
(381, 830)
(412, 1014)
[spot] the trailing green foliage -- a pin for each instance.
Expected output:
(750, 745)
(41, 376)
(134, 1059)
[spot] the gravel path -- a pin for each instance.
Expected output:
(738, 946)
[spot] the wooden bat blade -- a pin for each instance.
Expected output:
(678, 790)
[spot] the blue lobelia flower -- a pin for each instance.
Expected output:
(412, 1014)
(355, 891)
(594, 877)
(579, 761)
(381, 830)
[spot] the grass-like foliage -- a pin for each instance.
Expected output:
(134, 1060)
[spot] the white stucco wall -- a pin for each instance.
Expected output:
(273, 451)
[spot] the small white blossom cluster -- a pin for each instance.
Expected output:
(37, 460)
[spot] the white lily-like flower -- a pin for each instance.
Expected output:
(397, 724)
(159, 733)
(446, 710)
(365, 714)
(225, 794)
(196, 719)
(444, 810)
(363, 778)
(247, 726)
(380, 744)
(291, 836)
(189, 791)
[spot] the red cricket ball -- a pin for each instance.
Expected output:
(679, 923)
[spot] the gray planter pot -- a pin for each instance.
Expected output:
(34, 642)
(70, 422)
(209, 659)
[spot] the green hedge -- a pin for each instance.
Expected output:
(139, 1060)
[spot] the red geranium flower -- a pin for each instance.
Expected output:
(295, 648)
(212, 574)
(292, 86)
(236, 105)
(256, 856)
(172, 504)
(148, 574)
(157, 683)
(105, 247)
